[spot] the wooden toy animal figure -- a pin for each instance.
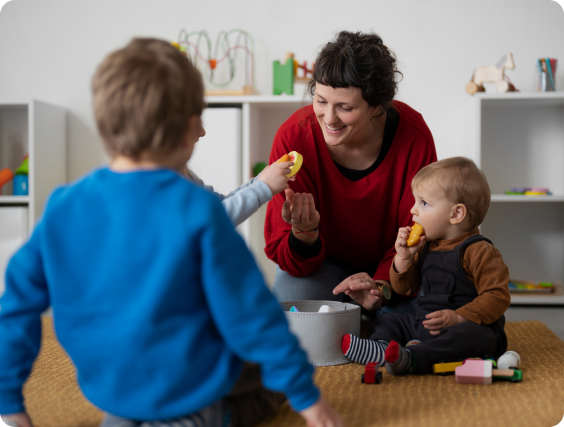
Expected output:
(492, 74)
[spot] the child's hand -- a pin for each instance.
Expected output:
(363, 289)
(275, 177)
(320, 414)
(405, 254)
(17, 420)
(442, 319)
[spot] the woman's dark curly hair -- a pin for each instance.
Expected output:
(362, 61)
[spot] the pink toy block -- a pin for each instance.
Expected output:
(479, 372)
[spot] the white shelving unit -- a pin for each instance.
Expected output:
(261, 116)
(518, 141)
(38, 129)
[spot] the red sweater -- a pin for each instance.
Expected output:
(360, 219)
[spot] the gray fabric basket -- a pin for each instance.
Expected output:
(320, 334)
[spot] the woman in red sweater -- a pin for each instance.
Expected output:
(361, 148)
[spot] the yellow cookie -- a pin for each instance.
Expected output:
(414, 235)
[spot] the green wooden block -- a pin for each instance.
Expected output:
(283, 77)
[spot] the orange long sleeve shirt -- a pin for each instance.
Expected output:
(483, 265)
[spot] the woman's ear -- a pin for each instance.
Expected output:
(458, 214)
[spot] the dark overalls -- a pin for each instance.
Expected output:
(444, 285)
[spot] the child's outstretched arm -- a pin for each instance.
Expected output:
(275, 177)
(245, 200)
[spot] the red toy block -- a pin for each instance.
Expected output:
(371, 374)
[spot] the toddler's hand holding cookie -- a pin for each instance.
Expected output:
(408, 242)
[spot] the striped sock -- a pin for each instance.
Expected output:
(399, 360)
(363, 351)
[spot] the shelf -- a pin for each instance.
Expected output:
(517, 139)
(526, 99)
(536, 300)
(526, 199)
(540, 299)
(13, 200)
(258, 99)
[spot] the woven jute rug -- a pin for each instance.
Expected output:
(53, 398)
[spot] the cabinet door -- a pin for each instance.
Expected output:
(217, 156)
(13, 233)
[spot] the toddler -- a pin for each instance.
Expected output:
(460, 276)
(155, 297)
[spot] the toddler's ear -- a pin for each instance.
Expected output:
(458, 214)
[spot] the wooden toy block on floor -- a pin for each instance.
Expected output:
(371, 374)
(480, 372)
(445, 368)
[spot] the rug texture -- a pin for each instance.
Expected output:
(53, 399)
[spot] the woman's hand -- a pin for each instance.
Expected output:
(405, 254)
(17, 420)
(299, 210)
(363, 289)
(275, 177)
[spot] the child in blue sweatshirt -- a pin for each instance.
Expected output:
(155, 297)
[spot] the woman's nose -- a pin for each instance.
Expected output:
(329, 116)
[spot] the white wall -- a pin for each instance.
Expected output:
(49, 48)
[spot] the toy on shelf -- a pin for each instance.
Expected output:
(530, 286)
(6, 176)
(492, 74)
(475, 371)
(284, 76)
(529, 191)
(215, 57)
(546, 68)
(21, 181)
(371, 374)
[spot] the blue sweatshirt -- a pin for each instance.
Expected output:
(155, 298)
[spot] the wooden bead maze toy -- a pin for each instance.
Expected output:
(223, 52)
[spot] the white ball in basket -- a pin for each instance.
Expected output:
(326, 309)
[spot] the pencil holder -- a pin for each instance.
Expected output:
(545, 75)
(321, 334)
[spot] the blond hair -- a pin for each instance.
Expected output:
(144, 95)
(462, 182)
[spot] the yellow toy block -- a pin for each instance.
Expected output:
(445, 368)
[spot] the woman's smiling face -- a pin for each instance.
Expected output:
(344, 116)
